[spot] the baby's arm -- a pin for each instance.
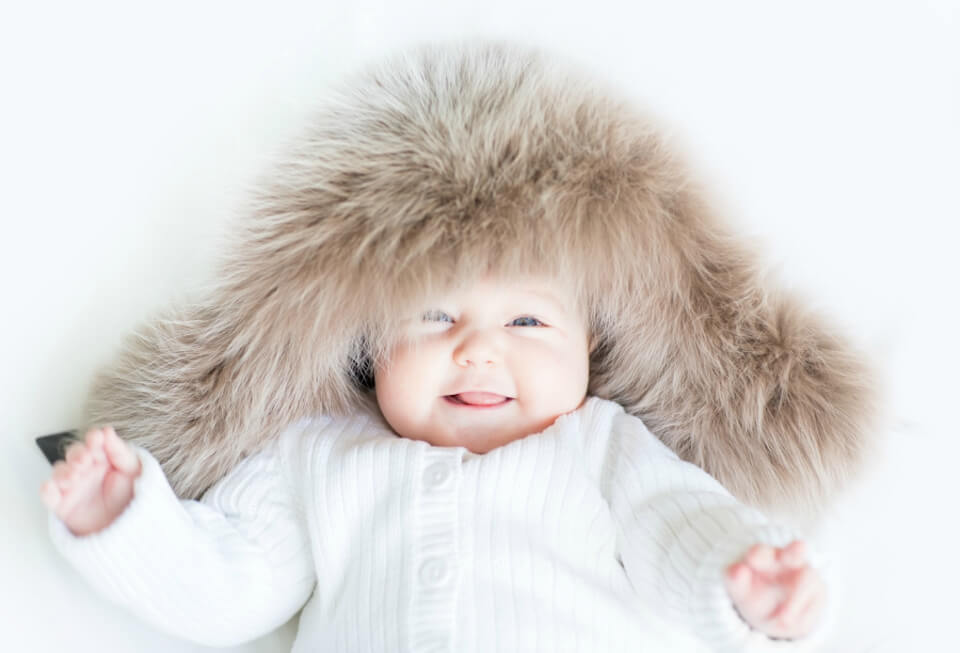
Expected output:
(689, 548)
(94, 482)
(219, 571)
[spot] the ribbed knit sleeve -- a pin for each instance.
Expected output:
(221, 571)
(679, 529)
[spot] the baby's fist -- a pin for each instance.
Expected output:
(93, 485)
(776, 591)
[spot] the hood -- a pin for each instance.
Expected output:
(446, 163)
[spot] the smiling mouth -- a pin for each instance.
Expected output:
(478, 399)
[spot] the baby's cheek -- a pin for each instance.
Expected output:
(565, 379)
(404, 391)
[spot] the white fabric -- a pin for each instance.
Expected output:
(590, 536)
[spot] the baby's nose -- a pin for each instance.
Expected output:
(477, 348)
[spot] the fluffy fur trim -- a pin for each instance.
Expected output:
(448, 163)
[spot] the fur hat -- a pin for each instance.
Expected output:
(447, 163)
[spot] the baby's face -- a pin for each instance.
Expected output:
(486, 365)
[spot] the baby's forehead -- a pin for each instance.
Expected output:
(542, 290)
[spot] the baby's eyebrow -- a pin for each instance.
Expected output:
(547, 297)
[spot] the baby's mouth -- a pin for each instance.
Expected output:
(478, 399)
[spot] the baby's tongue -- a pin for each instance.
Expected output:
(480, 398)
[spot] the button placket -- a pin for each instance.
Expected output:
(436, 475)
(435, 570)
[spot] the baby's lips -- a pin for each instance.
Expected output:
(481, 398)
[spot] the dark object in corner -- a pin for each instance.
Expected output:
(53, 446)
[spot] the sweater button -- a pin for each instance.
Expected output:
(436, 475)
(434, 572)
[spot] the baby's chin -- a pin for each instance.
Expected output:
(475, 438)
(475, 443)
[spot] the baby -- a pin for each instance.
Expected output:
(410, 406)
(514, 512)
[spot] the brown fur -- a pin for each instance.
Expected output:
(444, 164)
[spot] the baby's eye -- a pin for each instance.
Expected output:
(436, 316)
(526, 321)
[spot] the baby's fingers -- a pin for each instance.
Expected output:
(804, 596)
(794, 555)
(810, 615)
(77, 454)
(739, 581)
(762, 558)
(752, 594)
(117, 491)
(60, 475)
(120, 454)
(50, 494)
(94, 440)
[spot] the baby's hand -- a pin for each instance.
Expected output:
(776, 591)
(94, 484)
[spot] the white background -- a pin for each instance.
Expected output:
(829, 131)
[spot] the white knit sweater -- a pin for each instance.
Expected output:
(589, 536)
